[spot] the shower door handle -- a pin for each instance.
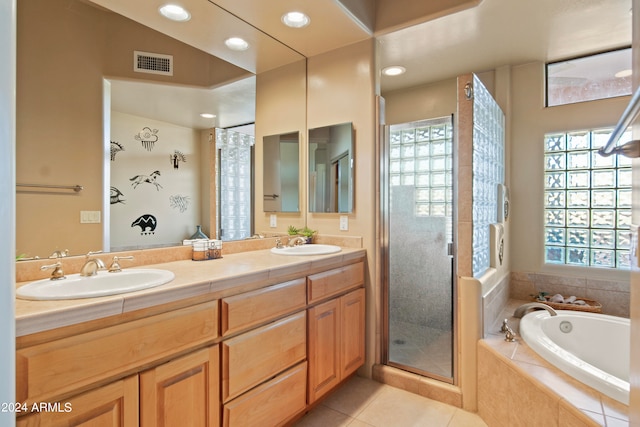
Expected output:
(451, 250)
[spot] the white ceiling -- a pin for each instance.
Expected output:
(493, 34)
(233, 104)
(503, 32)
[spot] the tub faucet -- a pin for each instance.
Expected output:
(520, 311)
(91, 266)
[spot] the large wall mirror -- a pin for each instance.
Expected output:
(63, 112)
(281, 173)
(331, 168)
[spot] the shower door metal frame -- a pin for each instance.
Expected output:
(384, 255)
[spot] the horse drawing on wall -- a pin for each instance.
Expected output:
(149, 179)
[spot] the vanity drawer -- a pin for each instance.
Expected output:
(69, 364)
(333, 282)
(253, 308)
(256, 356)
(271, 404)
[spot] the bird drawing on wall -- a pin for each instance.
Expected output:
(176, 158)
(148, 137)
(116, 147)
(115, 195)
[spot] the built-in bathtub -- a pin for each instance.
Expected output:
(592, 348)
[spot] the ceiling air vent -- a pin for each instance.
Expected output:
(154, 63)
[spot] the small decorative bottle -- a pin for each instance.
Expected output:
(198, 234)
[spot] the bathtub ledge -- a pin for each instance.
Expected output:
(517, 385)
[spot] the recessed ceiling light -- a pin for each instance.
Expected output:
(624, 73)
(207, 115)
(236, 43)
(175, 12)
(395, 70)
(295, 19)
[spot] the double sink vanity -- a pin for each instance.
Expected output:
(253, 338)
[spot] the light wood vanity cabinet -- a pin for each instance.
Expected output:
(50, 371)
(114, 404)
(63, 365)
(182, 392)
(336, 341)
(256, 358)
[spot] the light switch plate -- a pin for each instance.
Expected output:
(273, 221)
(344, 223)
(89, 217)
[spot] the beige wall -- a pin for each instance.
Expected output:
(529, 123)
(421, 102)
(327, 89)
(341, 89)
(281, 108)
(65, 49)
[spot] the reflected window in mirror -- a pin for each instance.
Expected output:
(331, 168)
(235, 159)
(281, 172)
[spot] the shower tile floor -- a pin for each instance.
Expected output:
(421, 347)
(361, 402)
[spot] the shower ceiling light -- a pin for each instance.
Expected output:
(236, 43)
(623, 73)
(207, 115)
(175, 12)
(394, 70)
(295, 19)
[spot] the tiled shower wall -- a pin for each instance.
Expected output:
(613, 295)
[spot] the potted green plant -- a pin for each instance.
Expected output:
(308, 233)
(292, 231)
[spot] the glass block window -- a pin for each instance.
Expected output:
(587, 201)
(488, 172)
(599, 76)
(234, 183)
(421, 156)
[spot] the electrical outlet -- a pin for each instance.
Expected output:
(273, 221)
(344, 223)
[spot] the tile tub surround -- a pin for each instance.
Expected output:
(518, 387)
(494, 302)
(613, 295)
(230, 275)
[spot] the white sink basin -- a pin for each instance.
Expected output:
(312, 249)
(103, 283)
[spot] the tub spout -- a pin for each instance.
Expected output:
(520, 311)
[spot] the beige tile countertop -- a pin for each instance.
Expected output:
(232, 274)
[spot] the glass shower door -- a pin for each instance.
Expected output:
(419, 236)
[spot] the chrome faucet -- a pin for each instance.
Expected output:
(115, 264)
(92, 265)
(59, 254)
(520, 311)
(279, 244)
(57, 274)
(297, 241)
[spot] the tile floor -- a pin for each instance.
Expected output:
(362, 402)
